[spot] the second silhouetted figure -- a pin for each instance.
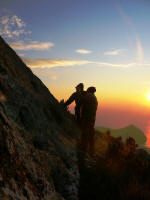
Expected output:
(76, 96)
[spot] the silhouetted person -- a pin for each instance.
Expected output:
(88, 116)
(76, 96)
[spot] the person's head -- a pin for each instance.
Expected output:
(91, 90)
(79, 87)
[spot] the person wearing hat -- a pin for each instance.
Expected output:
(88, 115)
(76, 96)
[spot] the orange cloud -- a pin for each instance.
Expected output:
(32, 45)
(49, 63)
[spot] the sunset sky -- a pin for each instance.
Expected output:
(102, 43)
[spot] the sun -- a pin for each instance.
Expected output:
(148, 97)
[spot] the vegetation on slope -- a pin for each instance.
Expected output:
(119, 171)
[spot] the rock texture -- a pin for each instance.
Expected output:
(37, 137)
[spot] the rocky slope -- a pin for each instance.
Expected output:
(37, 137)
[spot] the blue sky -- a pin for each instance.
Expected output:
(104, 43)
(95, 25)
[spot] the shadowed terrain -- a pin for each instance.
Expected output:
(38, 138)
(119, 171)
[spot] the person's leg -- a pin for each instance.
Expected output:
(91, 139)
(84, 138)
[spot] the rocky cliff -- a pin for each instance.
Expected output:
(37, 137)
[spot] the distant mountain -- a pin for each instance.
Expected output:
(129, 131)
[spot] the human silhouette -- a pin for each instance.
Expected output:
(88, 115)
(76, 96)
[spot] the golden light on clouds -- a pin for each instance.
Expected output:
(83, 51)
(31, 45)
(49, 63)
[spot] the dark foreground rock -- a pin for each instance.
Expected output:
(37, 137)
(121, 173)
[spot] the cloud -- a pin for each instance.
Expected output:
(32, 45)
(116, 65)
(83, 51)
(114, 52)
(49, 63)
(12, 26)
(15, 20)
(121, 65)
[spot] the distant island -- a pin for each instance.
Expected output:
(129, 131)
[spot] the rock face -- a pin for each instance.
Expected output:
(37, 137)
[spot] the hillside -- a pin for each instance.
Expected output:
(38, 157)
(38, 147)
(129, 131)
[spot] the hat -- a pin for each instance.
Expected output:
(91, 89)
(81, 85)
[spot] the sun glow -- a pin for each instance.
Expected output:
(148, 97)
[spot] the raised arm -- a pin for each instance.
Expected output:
(70, 100)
